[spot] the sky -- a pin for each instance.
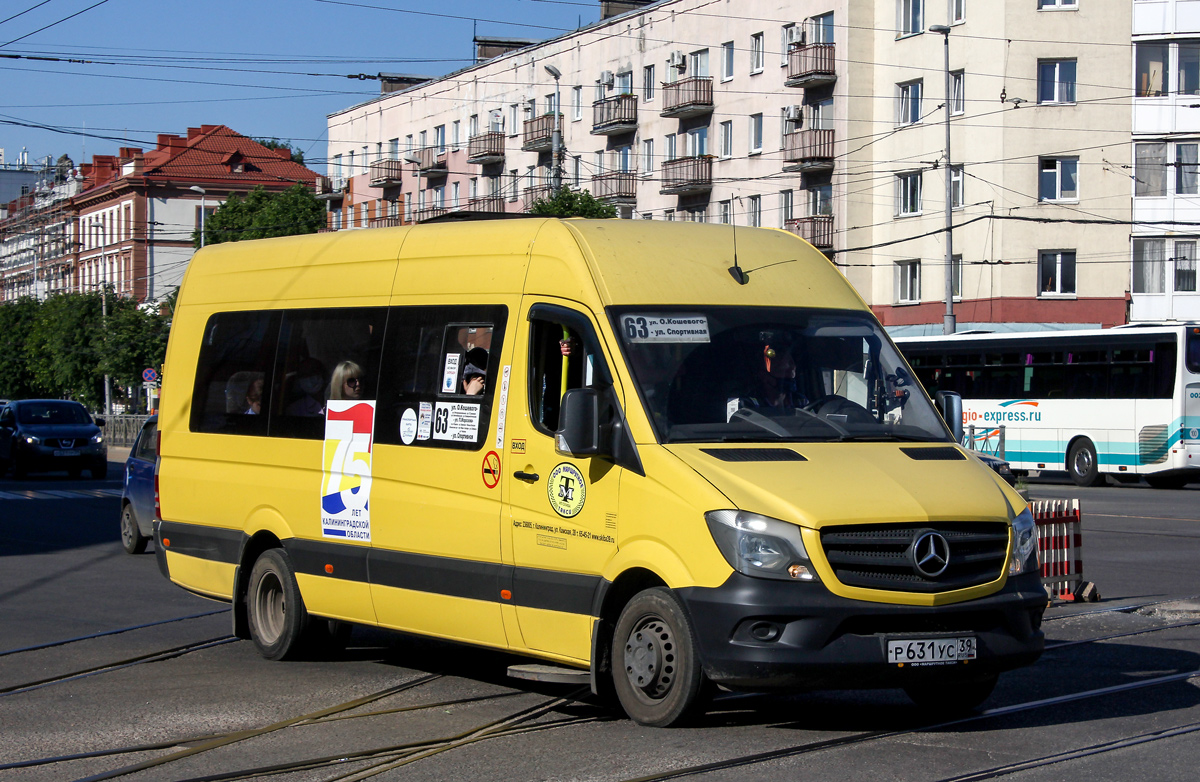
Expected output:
(265, 68)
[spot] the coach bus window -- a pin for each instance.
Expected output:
(312, 344)
(236, 354)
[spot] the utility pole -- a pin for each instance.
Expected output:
(948, 324)
(104, 314)
(556, 173)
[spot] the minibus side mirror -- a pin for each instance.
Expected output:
(949, 404)
(579, 423)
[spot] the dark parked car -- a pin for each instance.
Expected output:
(137, 498)
(42, 435)
(999, 465)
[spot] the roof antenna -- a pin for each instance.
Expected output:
(735, 270)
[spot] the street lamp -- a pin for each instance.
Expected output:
(201, 191)
(557, 134)
(948, 325)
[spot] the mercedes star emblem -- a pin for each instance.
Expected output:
(930, 554)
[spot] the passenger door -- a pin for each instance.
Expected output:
(139, 475)
(562, 510)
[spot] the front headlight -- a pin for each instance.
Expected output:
(1024, 556)
(31, 440)
(97, 438)
(760, 546)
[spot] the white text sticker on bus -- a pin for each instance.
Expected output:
(346, 471)
(503, 407)
(664, 328)
(425, 421)
(408, 426)
(450, 375)
(457, 421)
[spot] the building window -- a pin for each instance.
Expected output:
(820, 114)
(820, 200)
(1056, 272)
(957, 188)
(625, 83)
(958, 93)
(908, 102)
(698, 64)
(1058, 179)
(624, 156)
(822, 28)
(473, 126)
(785, 208)
(756, 131)
(958, 11)
(1056, 4)
(726, 212)
(754, 211)
(454, 195)
(908, 194)
(408, 143)
(578, 170)
(577, 103)
(787, 33)
(727, 139)
(756, 53)
(648, 83)
(956, 266)
(514, 116)
(910, 17)
(1150, 169)
(647, 157)
(647, 215)
(456, 134)
(439, 138)
(727, 61)
(1056, 81)
(908, 282)
(670, 146)
(1185, 267)
(1149, 266)
(599, 162)
(669, 214)
(1188, 82)
(473, 188)
(697, 142)
(1186, 169)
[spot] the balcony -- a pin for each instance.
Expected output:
(690, 97)
(330, 188)
(687, 175)
(535, 193)
(538, 133)
(486, 148)
(430, 162)
(808, 151)
(428, 213)
(817, 230)
(615, 115)
(385, 222)
(617, 187)
(386, 173)
(810, 65)
(486, 204)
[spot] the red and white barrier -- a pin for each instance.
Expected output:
(1060, 550)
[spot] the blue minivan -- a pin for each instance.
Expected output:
(137, 497)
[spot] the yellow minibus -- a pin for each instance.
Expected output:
(636, 450)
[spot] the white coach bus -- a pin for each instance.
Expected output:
(1123, 401)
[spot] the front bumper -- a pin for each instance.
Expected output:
(42, 457)
(758, 634)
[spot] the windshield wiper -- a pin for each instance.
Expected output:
(885, 437)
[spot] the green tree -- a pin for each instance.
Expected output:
(136, 339)
(64, 347)
(572, 203)
(16, 323)
(262, 214)
(274, 143)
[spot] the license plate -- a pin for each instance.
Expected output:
(72, 452)
(931, 651)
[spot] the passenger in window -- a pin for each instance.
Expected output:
(309, 383)
(475, 372)
(254, 397)
(347, 381)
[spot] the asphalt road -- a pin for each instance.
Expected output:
(1102, 708)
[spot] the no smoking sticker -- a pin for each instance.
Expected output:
(491, 469)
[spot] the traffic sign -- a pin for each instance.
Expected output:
(149, 375)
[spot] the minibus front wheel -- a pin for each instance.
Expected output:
(275, 609)
(656, 667)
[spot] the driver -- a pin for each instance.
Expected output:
(774, 384)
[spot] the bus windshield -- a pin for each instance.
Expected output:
(724, 374)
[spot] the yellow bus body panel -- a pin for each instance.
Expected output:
(203, 576)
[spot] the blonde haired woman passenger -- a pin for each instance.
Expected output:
(347, 381)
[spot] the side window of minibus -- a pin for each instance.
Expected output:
(440, 371)
(563, 354)
(324, 354)
(231, 394)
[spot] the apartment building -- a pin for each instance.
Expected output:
(1166, 134)
(127, 221)
(822, 117)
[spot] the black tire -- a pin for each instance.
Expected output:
(327, 637)
(1082, 464)
(274, 607)
(99, 471)
(131, 537)
(1167, 481)
(951, 697)
(18, 469)
(656, 666)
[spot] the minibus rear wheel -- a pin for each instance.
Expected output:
(274, 606)
(951, 697)
(656, 667)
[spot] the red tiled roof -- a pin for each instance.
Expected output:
(205, 156)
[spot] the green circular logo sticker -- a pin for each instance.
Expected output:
(566, 490)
